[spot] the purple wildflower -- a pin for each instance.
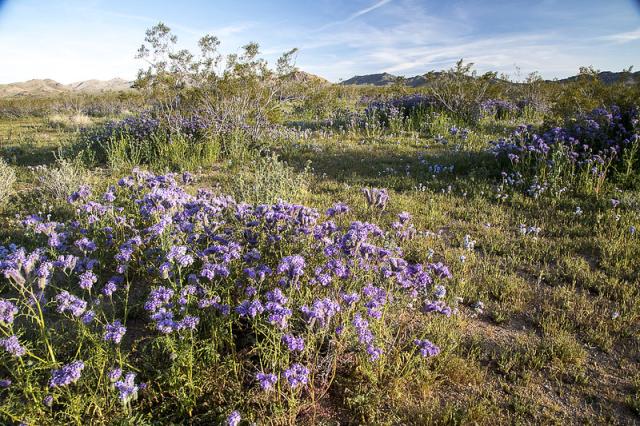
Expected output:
(47, 401)
(87, 280)
(293, 343)
(297, 375)
(114, 332)
(293, 266)
(69, 302)
(66, 375)
(321, 311)
(114, 374)
(427, 349)
(158, 298)
(12, 345)
(7, 312)
(250, 308)
(127, 387)
(88, 317)
(266, 380)
(233, 419)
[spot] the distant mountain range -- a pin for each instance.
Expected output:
(386, 79)
(48, 87)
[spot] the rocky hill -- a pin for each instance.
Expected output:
(48, 87)
(386, 79)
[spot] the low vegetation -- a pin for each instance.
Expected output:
(242, 246)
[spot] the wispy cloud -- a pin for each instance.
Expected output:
(367, 10)
(623, 37)
(354, 15)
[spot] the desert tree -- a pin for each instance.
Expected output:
(236, 89)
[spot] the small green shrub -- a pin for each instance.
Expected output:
(8, 179)
(55, 182)
(271, 180)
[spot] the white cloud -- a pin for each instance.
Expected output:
(368, 9)
(623, 37)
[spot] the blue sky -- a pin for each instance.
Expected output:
(69, 40)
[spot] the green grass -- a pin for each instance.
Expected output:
(559, 337)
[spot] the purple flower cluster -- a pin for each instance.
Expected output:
(114, 332)
(7, 312)
(498, 108)
(297, 375)
(68, 302)
(427, 349)
(277, 279)
(292, 266)
(591, 141)
(12, 345)
(320, 311)
(266, 380)
(127, 387)
(293, 343)
(69, 373)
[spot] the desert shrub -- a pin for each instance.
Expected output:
(181, 142)
(269, 181)
(460, 90)
(8, 179)
(56, 182)
(212, 306)
(588, 92)
(75, 121)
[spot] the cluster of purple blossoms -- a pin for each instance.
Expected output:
(233, 419)
(250, 308)
(258, 273)
(114, 374)
(82, 193)
(591, 140)
(403, 227)
(178, 254)
(427, 349)
(69, 373)
(127, 387)
(68, 302)
(12, 345)
(114, 332)
(293, 343)
(292, 266)
(437, 306)
(159, 304)
(87, 280)
(297, 375)
(338, 208)
(266, 380)
(278, 313)
(232, 252)
(111, 286)
(498, 108)
(440, 270)
(365, 336)
(86, 245)
(8, 311)
(88, 317)
(321, 311)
